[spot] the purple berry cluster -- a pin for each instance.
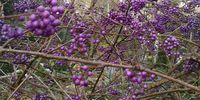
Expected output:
(113, 91)
(17, 96)
(190, 65)
(137, 5)
(18, 58)
(166, 16)
(3, 37)
(25, 5)
(41, 97)
(123, 6)
(12, 32)
(21, 59)
(144, 34)
(80, 39)
(192, 26)
(46, 20)
(75, 97)
(120, 17)
(160, 22)
(1, 24)
(190, 5)
(81, 79)
(138, 79)
(169, 44)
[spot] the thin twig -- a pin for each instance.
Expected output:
(45, 86)
(17, 87)
(61, 88)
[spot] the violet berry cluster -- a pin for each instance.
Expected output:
(169, 44)
(151, 39)
(123, 6)
(81, 79)
(25, 5)
(12, 32)
(80, 39)
(160, 22)
(190, 65)
(120, 17)
(192, 26)
(137, 5)
(18, 58)
(140, 79)
(3, 37)
(74, 97)
(41, 97)
(46, 20)
(17, 95)
(113, 91)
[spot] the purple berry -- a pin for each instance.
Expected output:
(54, 9)
(61, 9)
(56, 22)
(21, 18)
(53, 2)
(89, 73)
(45, 14)
(77, 82)
(46, 21)
(41, 8)
(33, 17)
(85, 67)
(129, 74)
(35, 24)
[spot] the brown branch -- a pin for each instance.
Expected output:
(102, 65)
(14, 16)
(93, 3)
(161, 93)
(7, 42)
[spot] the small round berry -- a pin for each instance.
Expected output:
(56, 22)
(45, 14)
(41, 8)
(134, 79)
(129, 74)
(85, 67)
(46, 21)
(145, 86)
(144, 74)
(85, 83)
(74, 77)
(89, 73)
(82, 83)
(134, 97)
(153, 76)
(79, 77)
(21, 18)
(61, 9)
(29, 24)
(35, 23)
(33, 17)
(42, 25)
(53, 2)
(52, 18)
(139, 80)
(77, 82)
(38, 32)
(54, 9)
